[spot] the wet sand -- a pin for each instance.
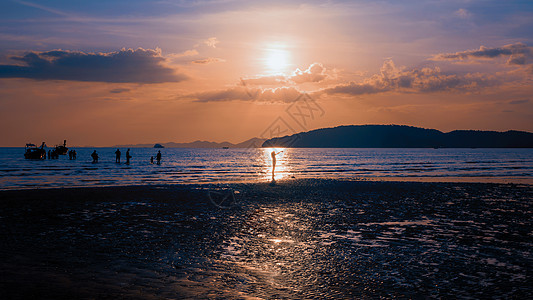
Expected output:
(297, 239)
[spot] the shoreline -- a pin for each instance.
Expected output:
(527, 181)
(300, 238)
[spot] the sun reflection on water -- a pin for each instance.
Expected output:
(282, 163)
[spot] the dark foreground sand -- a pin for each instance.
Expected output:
(298, 239)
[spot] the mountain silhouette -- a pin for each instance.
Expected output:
(401, 136)
(251, 143)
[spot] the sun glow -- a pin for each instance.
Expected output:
(277, 59)
(281, 170)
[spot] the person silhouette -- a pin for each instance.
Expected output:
(273, 154)
(128, 156)
(158, 157)
(117, 156)
(74, 154)
(151, 159)
(95, 157)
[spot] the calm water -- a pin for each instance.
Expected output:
(232, 165)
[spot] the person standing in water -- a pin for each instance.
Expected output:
(117, 156)
(128, 156)
(95, 157)
(273, 154)
(158, 157)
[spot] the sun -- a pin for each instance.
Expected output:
(277, 59)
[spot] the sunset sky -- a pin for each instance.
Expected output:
(117, 72)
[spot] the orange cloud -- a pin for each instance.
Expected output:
(212, 42)
(265, 80)
(392, 78)
(208, 60)
(243, 93)
(316, 72)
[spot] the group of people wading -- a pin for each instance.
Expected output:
(118, 154)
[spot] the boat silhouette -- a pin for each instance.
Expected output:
(62, 149)
(34, 152)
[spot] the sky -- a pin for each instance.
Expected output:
(103, 73)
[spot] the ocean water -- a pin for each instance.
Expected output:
(251, 165)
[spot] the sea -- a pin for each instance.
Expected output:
(212, 166)
(322, 239)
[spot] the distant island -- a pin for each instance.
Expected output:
(371, 136)
(251, 143)
(401, 136)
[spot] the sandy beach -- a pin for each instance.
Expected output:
(313, 238)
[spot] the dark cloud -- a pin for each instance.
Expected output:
(522, 101)
(283, 94)
(425, 80)
(119, 90)
(517, 60)
(126, 65)
(517, 54)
